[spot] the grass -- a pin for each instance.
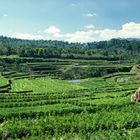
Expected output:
(3, 81)
(45, 84)
(94, 108)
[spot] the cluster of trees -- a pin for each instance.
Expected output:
(86, 72)
(112, 49)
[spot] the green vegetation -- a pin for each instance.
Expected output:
(94, 108)
(44, 84)
(39, 99)
(115, 49)
(4, 84)
(3, 81)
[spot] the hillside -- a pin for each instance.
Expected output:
(60, 90)
(45, 108)
(114, 49)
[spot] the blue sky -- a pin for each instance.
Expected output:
(70, 20)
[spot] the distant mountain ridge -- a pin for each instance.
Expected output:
(55, 42)
(133, 39)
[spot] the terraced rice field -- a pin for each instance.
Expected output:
(3, 81)
(91, 109)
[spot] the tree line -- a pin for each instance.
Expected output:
(112, 49)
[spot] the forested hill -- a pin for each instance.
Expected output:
(112, 49)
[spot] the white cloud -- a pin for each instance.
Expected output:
(90, 26)
(73, 4)
(5, 15)
(90, 14)
(52, 30)
(39, 32)
(26, 36)
(128, 30)
(80, 36)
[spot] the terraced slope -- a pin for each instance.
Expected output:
(4, 84)
(96, 108)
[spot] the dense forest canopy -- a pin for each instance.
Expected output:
(112, 49)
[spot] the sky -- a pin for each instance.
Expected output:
(70, 20)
